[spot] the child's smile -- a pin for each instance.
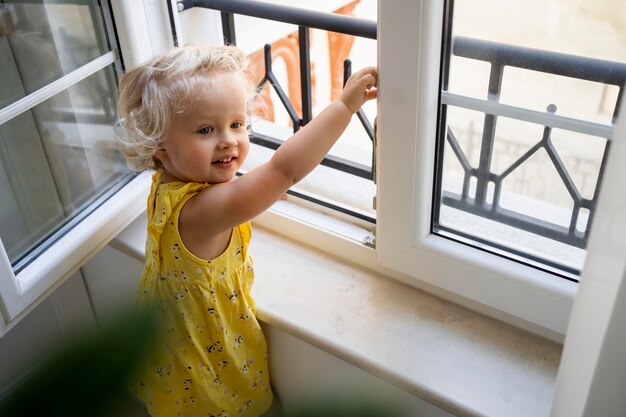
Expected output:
(209, 142)
(225, 163)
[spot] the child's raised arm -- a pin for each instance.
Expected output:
(305, 150)
(221, 207)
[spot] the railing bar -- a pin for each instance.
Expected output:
(591, 206)
(585, 68)
(517, 220)
(366, 124)
(305, 74)
(574, 219)
(285, 100)
(271, 79)
(562, 171)
(456, 148)
(497, 192)
(527, 115)
(465, 164)
(170, 14)
(267, 57)
(351, 167)
(483, 171)
(347, 71)
(620, 95)
(489, 135)
(228, 28)
(538, 226)
(514, 219)
(520, 160)
(330, 161)
(319, 20)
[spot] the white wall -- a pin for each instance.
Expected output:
(64, 314)
(302, 373)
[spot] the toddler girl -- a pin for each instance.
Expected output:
(185, 114)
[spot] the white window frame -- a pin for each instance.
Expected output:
(591, 376)
(407, 120)
(141, 28)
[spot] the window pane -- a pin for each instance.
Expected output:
(44, 40)
(56, 160)
(516, 175)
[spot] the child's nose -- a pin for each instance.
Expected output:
(227, 140)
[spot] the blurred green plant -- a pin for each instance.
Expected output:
(89, 375)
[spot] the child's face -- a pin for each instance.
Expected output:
(209, 143)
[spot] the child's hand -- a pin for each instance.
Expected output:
(361, 86)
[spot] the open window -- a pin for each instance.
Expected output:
(493, 138)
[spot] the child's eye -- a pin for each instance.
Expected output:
(205, 130)
(236, 125)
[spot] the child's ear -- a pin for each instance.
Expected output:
(161, 154)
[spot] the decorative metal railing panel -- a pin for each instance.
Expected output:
(486, 198)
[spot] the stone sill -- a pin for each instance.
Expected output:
(454, 358)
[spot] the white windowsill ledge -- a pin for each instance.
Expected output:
(458, 360)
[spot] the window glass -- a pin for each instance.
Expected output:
(44, 40)
(58, 158)
(55, 160)
(530, 92)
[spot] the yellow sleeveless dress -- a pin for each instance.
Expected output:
(212, 357)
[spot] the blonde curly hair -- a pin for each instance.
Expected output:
(152, 93)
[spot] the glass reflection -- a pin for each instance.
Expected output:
(55, 160)
(44, 40)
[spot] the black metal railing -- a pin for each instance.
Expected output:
(485, 199)
(484, 202)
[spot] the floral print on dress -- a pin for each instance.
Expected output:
(212, 359)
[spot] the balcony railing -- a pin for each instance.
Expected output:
(487, 193)
(485, 201)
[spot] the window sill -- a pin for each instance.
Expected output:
(459, 360)
(456, 359)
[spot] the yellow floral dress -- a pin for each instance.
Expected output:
(212, 357)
